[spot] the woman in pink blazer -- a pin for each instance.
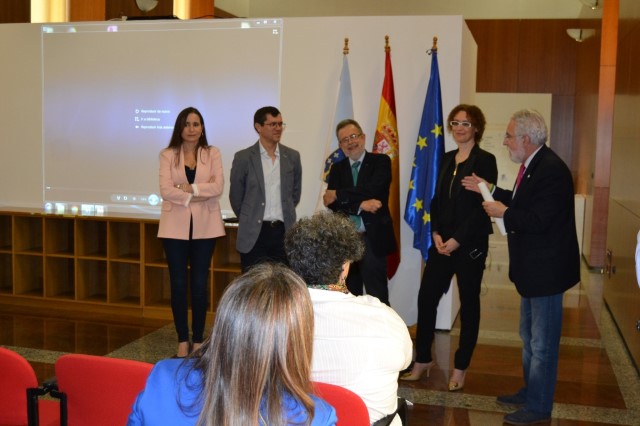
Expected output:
(191, 183)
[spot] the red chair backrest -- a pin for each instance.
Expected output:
(16, 376)
(350, 408)
(100, 390)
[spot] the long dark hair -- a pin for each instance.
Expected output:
(176, 137)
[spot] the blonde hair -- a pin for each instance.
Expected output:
(259, 349)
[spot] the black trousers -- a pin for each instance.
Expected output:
(269, 246)
(369, 272)
(181, 254)
(467, 263)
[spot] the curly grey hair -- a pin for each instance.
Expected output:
(318, 246)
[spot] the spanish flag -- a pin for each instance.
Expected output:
(386, 142)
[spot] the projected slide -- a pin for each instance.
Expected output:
(112, 91)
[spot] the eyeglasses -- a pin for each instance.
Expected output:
(351, 137)
(465, 124)
(276, 124)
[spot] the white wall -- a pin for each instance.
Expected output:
(312, 59)
(470, 9)
(310, 89)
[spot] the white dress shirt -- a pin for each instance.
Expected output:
(271, 172)
(360, 344)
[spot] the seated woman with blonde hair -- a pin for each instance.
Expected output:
(254, 369)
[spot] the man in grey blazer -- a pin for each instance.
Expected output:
(265, 188)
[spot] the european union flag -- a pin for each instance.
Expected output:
(426, 163)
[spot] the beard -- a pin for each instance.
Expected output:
(517, 155)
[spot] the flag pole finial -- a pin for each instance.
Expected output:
(387, 48)
(435, 44)
(345, 49)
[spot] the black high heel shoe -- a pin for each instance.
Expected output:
(177, 355)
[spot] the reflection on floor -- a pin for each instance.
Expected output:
(597, 383)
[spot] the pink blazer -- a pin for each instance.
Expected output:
(178, 206)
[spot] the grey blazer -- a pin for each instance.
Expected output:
(247, 194)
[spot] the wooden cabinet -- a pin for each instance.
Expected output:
(112, 264)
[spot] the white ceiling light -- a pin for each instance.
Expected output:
(147, 5)
(593, 4)
(581, 34)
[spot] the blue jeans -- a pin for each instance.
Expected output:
(540, 330)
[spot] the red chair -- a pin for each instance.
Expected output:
(99, 390)
(17, 378)
(349, 406)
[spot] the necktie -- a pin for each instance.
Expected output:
(520, 174)
(355, 167)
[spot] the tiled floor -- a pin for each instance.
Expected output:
(597, 383)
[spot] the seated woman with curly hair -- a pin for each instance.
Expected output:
(359, 342)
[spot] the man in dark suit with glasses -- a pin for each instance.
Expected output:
(359, 187)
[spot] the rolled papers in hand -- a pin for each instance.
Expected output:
(486, 195)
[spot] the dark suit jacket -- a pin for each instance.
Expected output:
(374, 179)
(247, 193)
(544, 258)
(471, 223)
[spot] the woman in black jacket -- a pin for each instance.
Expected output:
(460, 231)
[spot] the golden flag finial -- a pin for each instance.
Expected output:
(387, 48)
(345, 49)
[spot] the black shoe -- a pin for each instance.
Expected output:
(526, 417)
(517, 400)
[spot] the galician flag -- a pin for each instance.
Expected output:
(344, 109)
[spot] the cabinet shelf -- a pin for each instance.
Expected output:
(91, 238)
(59, 278)
(58, 236)
(6, 274)
(228, 267)
(27, 234)
(5, 232)
(124, 240)
(111, 264)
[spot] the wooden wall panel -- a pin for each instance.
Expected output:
(536, 56)
(201, 9)
(118, 8)
(561, 135)
(82, 10)
(15, 11)
(498, 50)
(547, 57)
